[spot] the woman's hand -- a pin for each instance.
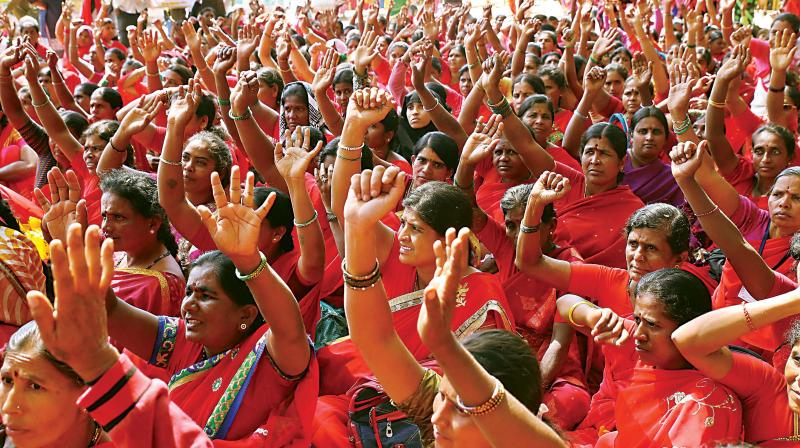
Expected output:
(149, 45)
(245, 93)
(609, 328)
(493, 69)
(735, 65)
(642, 70)
(605, 43)
(368, 106)
(549, 188)
(246, 45)
(141, 116)
(419, 66)
(365, 52)
(682, 78)
(687, 158)
(190, 34)
(32, 66)
(66, 206)
(324, 175)
(783, 46)
(373, 194)
(593, 80)
(483, 141)
(323, 78)
(184, 104)
(12, 56)
(75, 330)
(440, 296)
(235, 225)
(226, 58)
(293, 160)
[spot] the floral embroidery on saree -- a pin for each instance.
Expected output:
(678, 398)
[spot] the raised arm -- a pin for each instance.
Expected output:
(682, 78)
(48, 115)
(193, 42)
(292, 162)
(171, 194)
(368, 315)
(255, 143)
(754, 272)
(721, 150)
(246, 45)
(323, 80)
(12, 107)
(480, 145)
(509, 422)
(150, 52)
(62, 93)
(549, 188)
(440, 117)
(116, 150)
(533, 155)
(235, 227)
(783, 47)
(660, 77)
(593, 81)
(226, 58)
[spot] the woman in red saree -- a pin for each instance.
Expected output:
(428, 211)
(773, 145)
(240, 378)
(533, 303)
(747, 276)
(656, 237)
(17, 160)
(147, 274)
(665, 402)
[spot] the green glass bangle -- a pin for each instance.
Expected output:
(261, 266)
(223, 102)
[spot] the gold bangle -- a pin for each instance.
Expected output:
(713, 103)
(169, 162)
(36, 106)
(700, 215)
(576, 305)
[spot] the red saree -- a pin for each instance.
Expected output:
(159, 293)
(11, 144)
(238, 395)
(674, 408)
(593, 225)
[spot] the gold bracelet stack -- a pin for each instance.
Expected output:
(486, 407)
(361, 282)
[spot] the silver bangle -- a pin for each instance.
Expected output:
(300, 225)
(432, 108)
(350, 148)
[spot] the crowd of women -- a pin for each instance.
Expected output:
(402, 226)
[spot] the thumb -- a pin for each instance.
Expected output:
(208, 219)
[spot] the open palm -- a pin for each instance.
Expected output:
(235, 225)
(66, 206)
(293, 160)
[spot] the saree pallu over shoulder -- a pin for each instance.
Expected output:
(593, 225)
(235, 395)
(674, 408)
(159, 293)
(481, 303)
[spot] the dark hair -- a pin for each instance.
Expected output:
(183, 71)
(666, 218)
(790, 171)
(141, 191)
(206, 108)
(105, 129)
(536, 99)
(622, 50)
(683, 295)
(532, 80)
(75, 122)
(793, 334)
(87, 88)
(440, 205)
(332, 148)
(791, 19)
(550, 54)
(117, 52)
(271, 77)
(517, 197)
(554, 73)
(28, 339)
(7, 216)
(440, 92)
(295, 89)
(280, 215)
(344, 76)
(436, 64)
(111, 96)
(614, 67)
(219, 152)
(507, 357)
(786, 135)
(234, 288)
(443, 145)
